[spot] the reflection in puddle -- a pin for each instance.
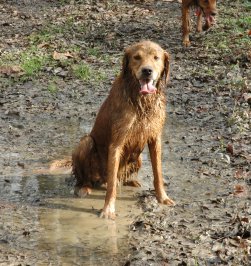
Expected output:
(62, 229)
(65, 229)
(73, 231)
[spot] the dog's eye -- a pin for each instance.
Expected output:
(137, 57)
(156, 57)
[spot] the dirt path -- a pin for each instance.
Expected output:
(58, 59)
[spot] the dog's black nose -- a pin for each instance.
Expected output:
(147, 71)
(214, 13)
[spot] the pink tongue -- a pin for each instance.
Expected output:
(210, 19)
(147, 88)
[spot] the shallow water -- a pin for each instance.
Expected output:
(65, 229)
(73, 226)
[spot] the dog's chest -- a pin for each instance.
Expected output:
(144, 128)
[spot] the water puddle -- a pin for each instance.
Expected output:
(65, 229)
(39, 213)
(72, 226)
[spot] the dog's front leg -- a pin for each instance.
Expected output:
(207, 25)
(199, 22)
(185, 24)
(112, 172)
(155, 154)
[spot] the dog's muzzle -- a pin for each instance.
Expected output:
(147, 81)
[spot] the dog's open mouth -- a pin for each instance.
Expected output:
(210, 19)
(147, 86)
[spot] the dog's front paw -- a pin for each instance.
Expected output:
(199, 29)
(186, 42)
(108, 212)
(167, 201)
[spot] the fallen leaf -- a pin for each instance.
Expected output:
(240, 174)
(61, 56)
(245, 219)
(44, 45)
(245, 244)
(230, 149)
(8, 70)
(240, 190)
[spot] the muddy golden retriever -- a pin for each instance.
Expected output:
(132, 116)
(203, 7)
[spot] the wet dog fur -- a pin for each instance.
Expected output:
(132, 116)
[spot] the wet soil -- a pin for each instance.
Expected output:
(206, 140)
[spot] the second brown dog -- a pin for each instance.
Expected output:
(203, 7)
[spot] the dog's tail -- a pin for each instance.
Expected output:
(61, 165)
(56, 167)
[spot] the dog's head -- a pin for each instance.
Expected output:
(148, 63)
(209, 9)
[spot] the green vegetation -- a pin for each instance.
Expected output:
(94, 52)
(38, 55)
(33, 64)
(101, 76)
(52, 88)
(32, 61)
(232, 30)
(82, 71)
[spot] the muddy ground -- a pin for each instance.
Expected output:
(58, 60)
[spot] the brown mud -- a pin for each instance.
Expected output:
(44, 112)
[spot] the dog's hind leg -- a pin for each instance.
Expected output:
(85, 166)
(82, 191)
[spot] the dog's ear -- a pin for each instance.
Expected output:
(125, 62)
(166, 66)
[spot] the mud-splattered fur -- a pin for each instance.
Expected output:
(125, 123)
